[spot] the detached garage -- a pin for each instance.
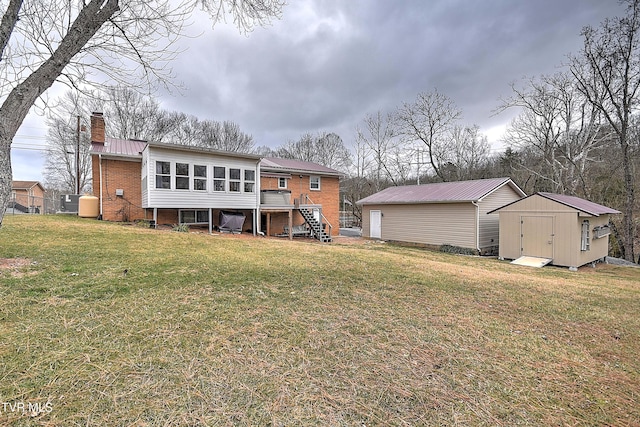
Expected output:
(446, 213)
(557, 229)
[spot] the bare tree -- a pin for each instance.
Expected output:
(132, 115)
(561, 125)
(429, 120)
(121, 41)
(66, 134)
(324, 148)
(378, 143)
(469, 152)
(609, 64)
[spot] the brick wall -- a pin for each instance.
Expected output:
(328, 196)
(118, 174)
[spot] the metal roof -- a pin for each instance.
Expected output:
(441, 192)
(204, 150)
(574, 202)
(579, 204)
(119, 147)
(290, 165)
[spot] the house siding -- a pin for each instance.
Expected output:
(429, 224)
(174, 198)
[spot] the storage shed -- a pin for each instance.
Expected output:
(560, 230)
(445, 213)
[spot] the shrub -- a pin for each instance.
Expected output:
(450, 249)
(181, 228)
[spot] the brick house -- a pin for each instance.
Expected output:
(293, 191)
(27, 196)
(171, 184)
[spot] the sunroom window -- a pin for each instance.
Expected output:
(200, 177)
(182, 176)
(234, 180)
(163, 174)
(219, 178)
(249, 181)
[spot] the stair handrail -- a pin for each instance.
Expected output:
(307, 198)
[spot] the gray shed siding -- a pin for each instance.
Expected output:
(430, 224)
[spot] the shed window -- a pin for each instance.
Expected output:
(163, 174)
(586, 240)
(182, 176)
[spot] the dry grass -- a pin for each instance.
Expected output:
(216, 330)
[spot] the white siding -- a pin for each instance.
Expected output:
(144, 178)
(174, 198)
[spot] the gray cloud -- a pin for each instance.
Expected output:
(328, 63)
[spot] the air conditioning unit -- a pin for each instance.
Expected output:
(69, 203)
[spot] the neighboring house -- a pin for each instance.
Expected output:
(447, 213)
(562, 230)
(27, 197)
(173, 184)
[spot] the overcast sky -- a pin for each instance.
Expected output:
(328, 63)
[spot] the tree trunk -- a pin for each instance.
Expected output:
(15, 107)
(629, 227)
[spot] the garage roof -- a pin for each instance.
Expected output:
(441, 192)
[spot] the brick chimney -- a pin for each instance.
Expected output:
(97, 128)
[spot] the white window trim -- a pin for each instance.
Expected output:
(188, 176)
(200, 178)
(285, 180)
(319, 183)
(226, 185)
(156, 175)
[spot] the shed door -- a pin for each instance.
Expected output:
(536, 234)
(375, 224)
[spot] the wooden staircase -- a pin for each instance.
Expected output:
(314, 226)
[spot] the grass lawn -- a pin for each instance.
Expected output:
(103, 324)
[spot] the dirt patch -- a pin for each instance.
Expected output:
(10, 263)
(13, 265)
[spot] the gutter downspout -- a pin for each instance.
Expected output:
(101, 183)
(257, 218)
(477, 225)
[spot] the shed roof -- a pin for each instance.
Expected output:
(574, 202)
(291, 165)
(580, 204)
(441, 192)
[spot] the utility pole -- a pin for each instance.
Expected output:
(78, 157)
